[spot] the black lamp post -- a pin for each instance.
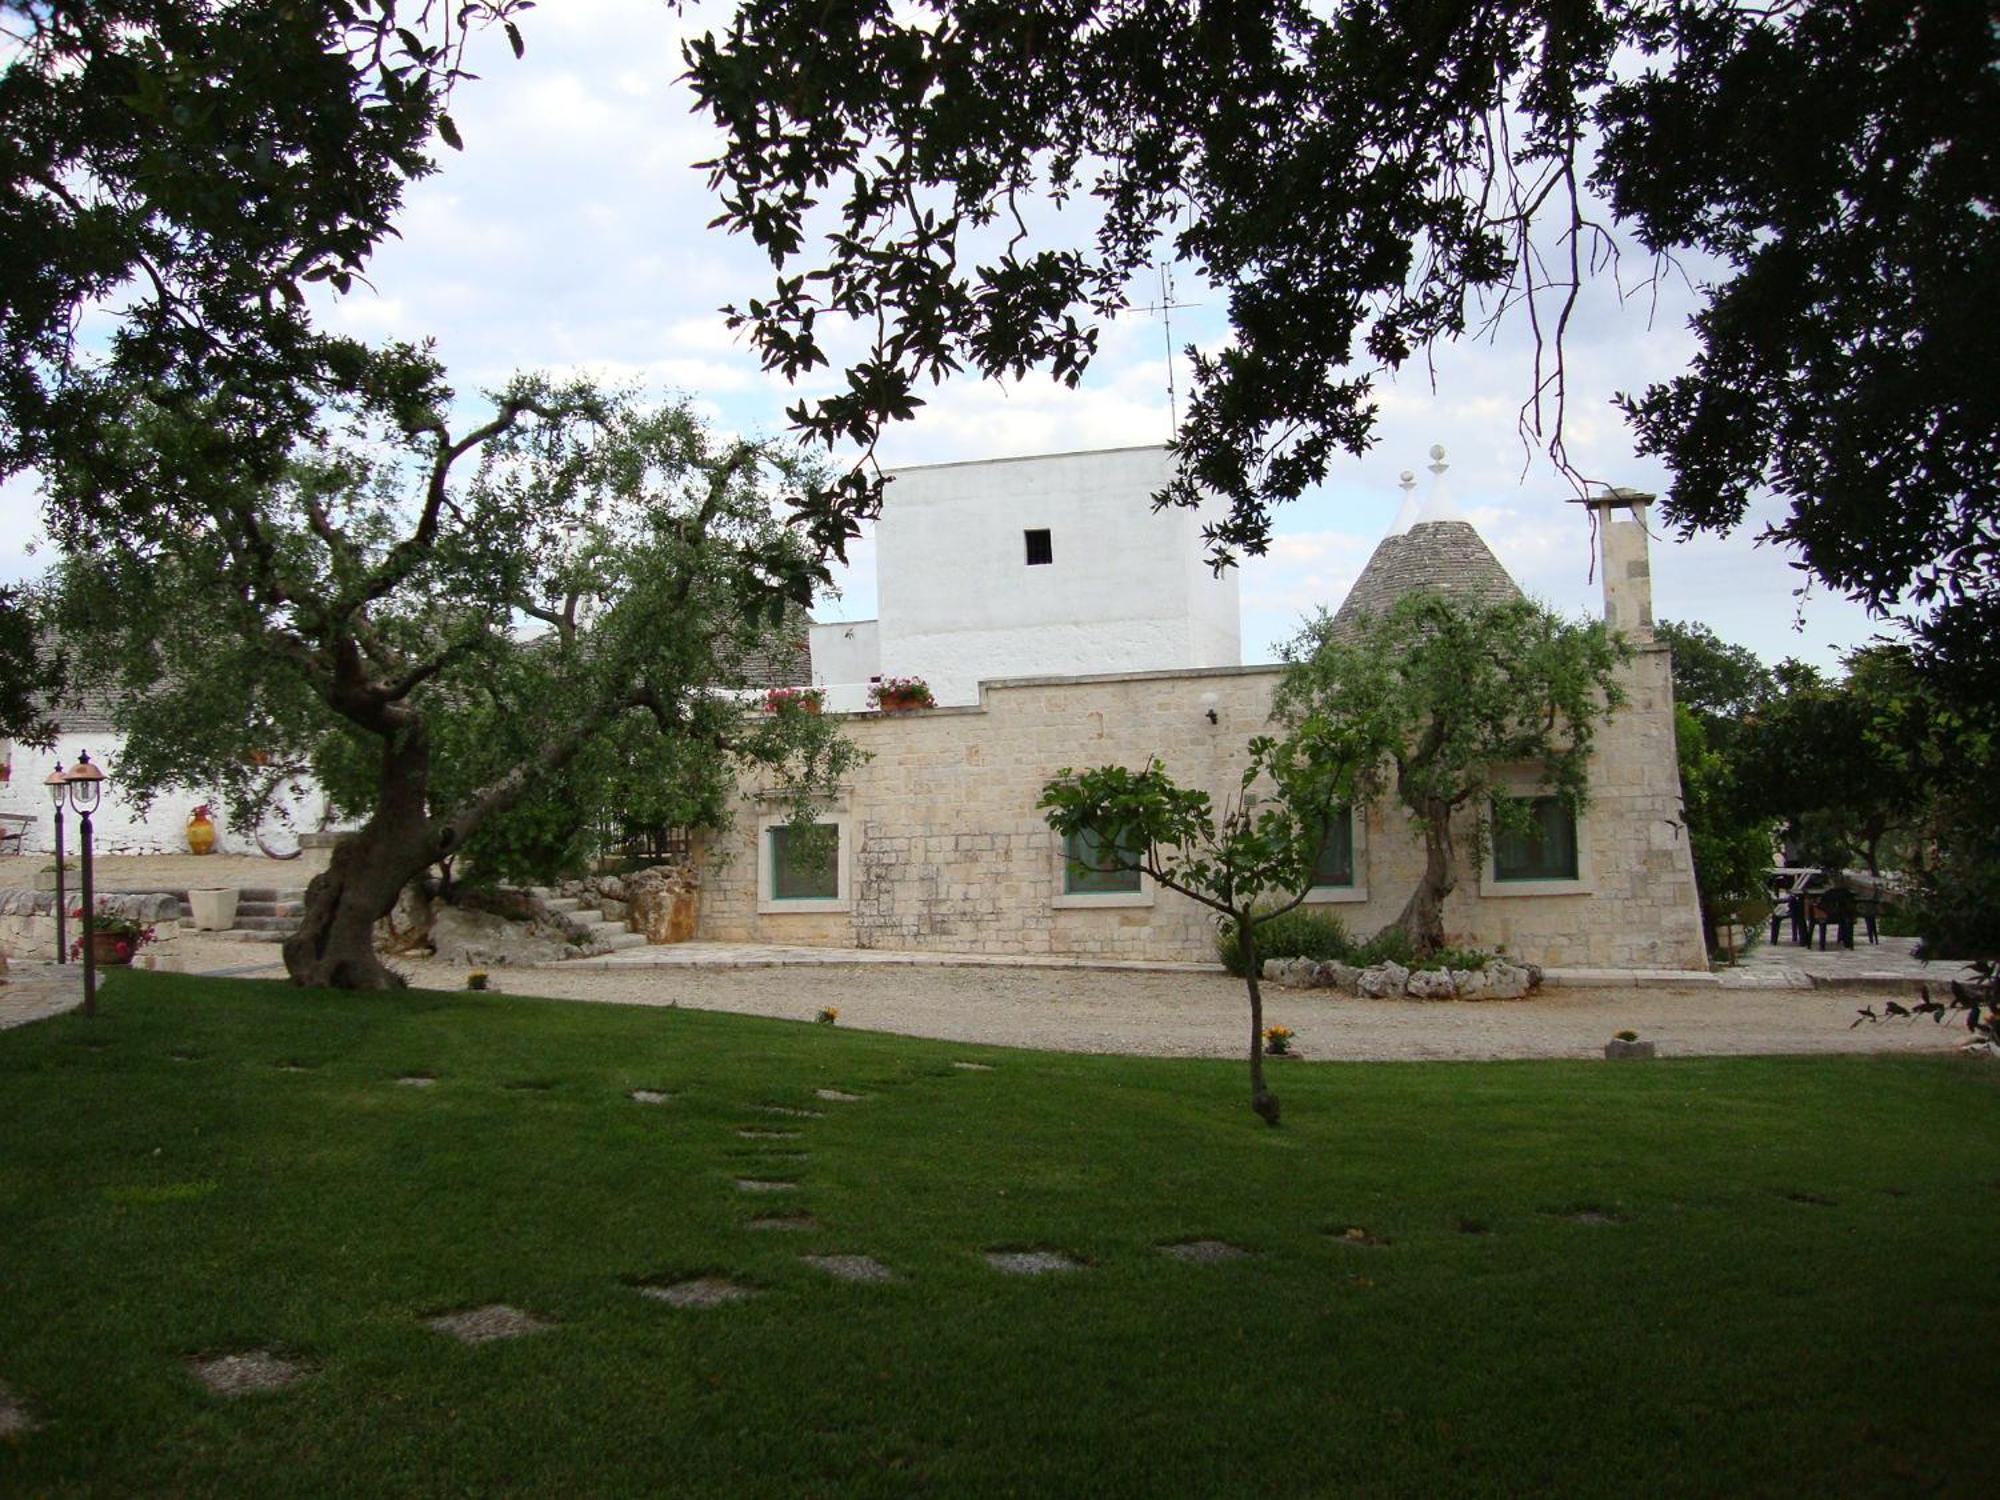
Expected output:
(58, 785)
(85, 783)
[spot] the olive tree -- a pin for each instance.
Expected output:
(1249, 861)
(443, 647)
(1440, 699)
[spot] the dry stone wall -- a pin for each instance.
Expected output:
(947, 853)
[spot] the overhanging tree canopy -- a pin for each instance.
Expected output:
(1356, 178)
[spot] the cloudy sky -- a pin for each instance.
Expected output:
(569, 236)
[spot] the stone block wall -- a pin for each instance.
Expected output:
(948, 853)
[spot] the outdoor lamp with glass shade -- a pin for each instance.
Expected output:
(85, 784)
(58, 785)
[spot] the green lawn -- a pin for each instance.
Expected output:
(1793, 1292)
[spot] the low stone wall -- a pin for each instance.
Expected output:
(28, 918)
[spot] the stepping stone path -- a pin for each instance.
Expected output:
(1812, 1200)
(1031, 1262)
(838, 1096)
(1592, 1216)
(850, 1267)
(971, 1067)
(1204, 1252)
(703, 1291)
(246, 1374)
(482, 1325)
(768, 1135)
(764, 1185)
(796, 1114)
(537, 1085)
(649, 1096)
(790, 1223)
(292, 1067)
(187, 1056)
(14, 1414)
(417, 1081)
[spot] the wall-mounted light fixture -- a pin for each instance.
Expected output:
(1208, 702)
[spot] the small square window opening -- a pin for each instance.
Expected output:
(1040, 549)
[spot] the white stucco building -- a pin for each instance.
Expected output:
(1032, 566)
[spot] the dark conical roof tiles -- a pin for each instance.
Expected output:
(1440, 557)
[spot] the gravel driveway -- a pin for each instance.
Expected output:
(1200, 1015)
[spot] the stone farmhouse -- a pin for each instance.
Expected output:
(1062, 622)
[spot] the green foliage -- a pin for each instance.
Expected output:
(1298, 933)
(1826, 164)
(1720, 683)
(28, 674)
(1456, 958)
(1955, 903)
(1392, 945)
(1731, 845)
(1432, 699)
(1263, 845)
(178, 176)
(481, 667)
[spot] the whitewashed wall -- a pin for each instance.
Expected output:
(117, 826)
(958, 603)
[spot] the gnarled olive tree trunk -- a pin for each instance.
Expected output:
(334, 947)
(1422, 919)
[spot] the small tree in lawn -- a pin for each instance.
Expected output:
(1231, 862)
(1439, 697)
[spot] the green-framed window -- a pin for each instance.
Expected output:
(1545, 849)
(808, 868)
(1090, 869)
(1335, 864)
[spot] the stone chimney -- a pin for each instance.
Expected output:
(1621, 550)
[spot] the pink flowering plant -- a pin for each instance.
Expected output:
(908, 690)
(130, 934)
(794, 699)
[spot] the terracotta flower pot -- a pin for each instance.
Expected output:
(112, 948)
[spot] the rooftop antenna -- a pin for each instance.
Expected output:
(1165, 308)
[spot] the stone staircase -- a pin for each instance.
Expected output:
(606, 929)
(270, 914)
(264, 914)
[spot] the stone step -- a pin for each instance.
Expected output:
(282, 926)
(622, 939)
(562, 903)
(288, 909)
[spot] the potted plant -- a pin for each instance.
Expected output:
(895, 695)
(113, 938)
(201, 830)
(799, 700)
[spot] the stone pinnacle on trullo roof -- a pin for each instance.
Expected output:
(1441, 553)
(1406, 513)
